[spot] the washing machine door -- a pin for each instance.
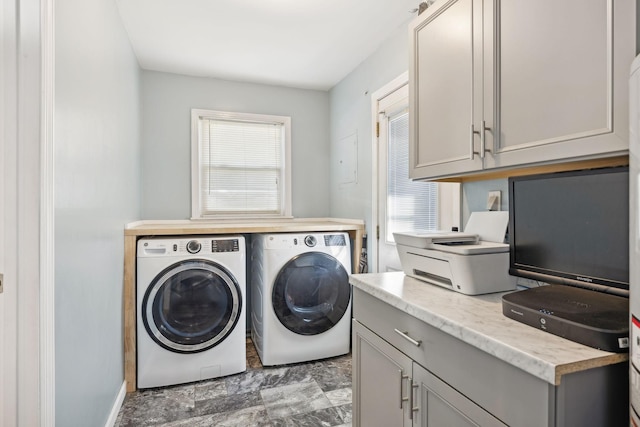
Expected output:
(191, 306)
(311, 293)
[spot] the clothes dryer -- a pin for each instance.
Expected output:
(190, 297)
(301, 296)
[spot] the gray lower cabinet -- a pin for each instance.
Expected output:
(383, 375)
(381, 381)
(409, 373)
(437, 404)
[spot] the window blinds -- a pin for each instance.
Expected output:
(411, 205)
(241, 167)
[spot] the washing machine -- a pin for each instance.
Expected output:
(300, 296)
(190, 303)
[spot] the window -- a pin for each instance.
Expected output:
(402, 205)
(240, 165)
(411, 205)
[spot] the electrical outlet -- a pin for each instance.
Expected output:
(494, 200)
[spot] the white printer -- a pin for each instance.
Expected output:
(473, 262)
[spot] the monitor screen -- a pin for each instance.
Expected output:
(571, 228)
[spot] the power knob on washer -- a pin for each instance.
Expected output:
(193, 247)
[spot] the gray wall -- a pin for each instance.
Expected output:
(474, 196)
(167, 100)
(350, 107)
(97, 190)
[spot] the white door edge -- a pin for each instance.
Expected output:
(376, 96)
(449, 194)
(27, 341)
(47, 256)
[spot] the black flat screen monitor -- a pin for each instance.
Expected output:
(571, 228)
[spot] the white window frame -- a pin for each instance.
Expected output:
(285, 178)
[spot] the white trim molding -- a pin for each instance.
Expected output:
(47, 256)
(28, 210)
(27, 254)
(376, 97)
(117, 405)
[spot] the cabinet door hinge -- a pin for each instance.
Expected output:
(378, 232)
(377, 129)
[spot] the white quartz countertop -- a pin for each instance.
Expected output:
(478, 321)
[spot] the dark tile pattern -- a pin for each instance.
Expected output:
(309, 394)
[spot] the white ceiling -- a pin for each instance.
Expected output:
(296, 43)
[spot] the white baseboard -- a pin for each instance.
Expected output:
(113, 415)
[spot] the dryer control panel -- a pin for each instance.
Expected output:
(314, 240)
(334, 240)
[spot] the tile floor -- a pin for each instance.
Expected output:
(302, 395)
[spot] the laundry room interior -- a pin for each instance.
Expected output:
(241, 213)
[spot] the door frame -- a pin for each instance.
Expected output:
(26, 107)
(449, 202)
(47, 215)
(376, 97)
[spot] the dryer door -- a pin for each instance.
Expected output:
(311, 293)
(191, 306)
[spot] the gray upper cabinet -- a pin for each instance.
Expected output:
(445, 89)
(518, 83)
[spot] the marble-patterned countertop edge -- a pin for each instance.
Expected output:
(478, 321)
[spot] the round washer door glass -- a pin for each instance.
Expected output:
(311, 293)
(191, 306)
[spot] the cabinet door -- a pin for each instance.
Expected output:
(445, 89)
(440, 405)
(556, 79)
(381, 381)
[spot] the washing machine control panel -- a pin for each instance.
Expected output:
(310, 241)
(190, 245)
(225, 245)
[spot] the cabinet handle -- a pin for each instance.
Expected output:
(473, 132)
(406, 336)
(413, 408)
(483, 145)
(402, 378)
